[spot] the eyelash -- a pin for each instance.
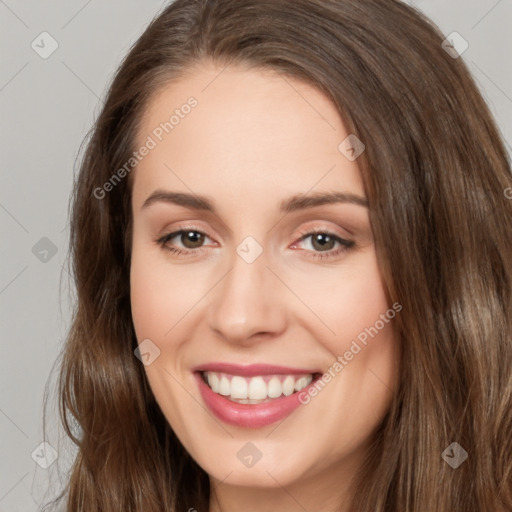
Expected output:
(345, 244)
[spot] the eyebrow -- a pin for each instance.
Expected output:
(294, 203)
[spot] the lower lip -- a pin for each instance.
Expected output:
(246, 415)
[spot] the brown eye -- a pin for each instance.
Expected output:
(322, 244)
(323, 241)
(192, 239)
(183, 240)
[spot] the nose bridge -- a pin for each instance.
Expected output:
(247, 300)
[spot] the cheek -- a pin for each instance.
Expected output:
(364, 313)
(159, 298)
(348, 303)
(362, 341)
(159, 301)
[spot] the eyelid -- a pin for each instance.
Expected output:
(184, 227)
(312, 228)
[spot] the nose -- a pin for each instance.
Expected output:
(248, 304)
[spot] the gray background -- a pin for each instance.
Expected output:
(47, 106)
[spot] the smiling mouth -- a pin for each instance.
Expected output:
(258, 389)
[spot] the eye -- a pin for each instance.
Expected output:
(190, 239)
(322, 244)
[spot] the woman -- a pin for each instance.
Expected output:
(291, 241)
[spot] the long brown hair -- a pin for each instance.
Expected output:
(435, 173)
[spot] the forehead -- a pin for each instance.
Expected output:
(249, 132)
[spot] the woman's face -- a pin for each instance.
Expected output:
(246, 271)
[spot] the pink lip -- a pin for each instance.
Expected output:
(246, 415)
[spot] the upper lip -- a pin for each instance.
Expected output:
(252, 370)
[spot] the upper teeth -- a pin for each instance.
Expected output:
(256, 388)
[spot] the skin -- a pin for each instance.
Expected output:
(255, 139)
